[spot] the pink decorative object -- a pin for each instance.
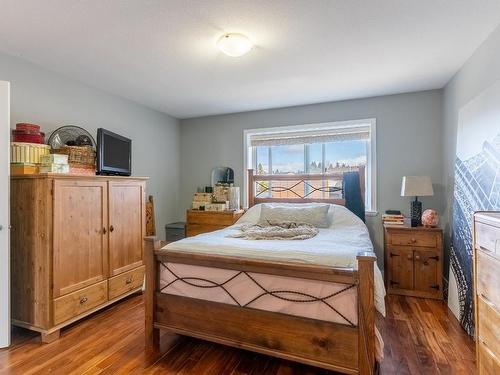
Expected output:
(430, 218)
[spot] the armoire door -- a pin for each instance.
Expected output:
(127, 222)
(80, 234)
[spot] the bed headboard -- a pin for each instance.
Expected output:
(303, 188)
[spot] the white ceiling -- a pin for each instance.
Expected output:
(161, 53)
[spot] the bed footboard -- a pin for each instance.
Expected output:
(334, 346)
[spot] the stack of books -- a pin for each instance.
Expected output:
(393, 219)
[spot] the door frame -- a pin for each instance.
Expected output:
(4, 214)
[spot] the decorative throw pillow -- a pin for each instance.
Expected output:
(316, 216)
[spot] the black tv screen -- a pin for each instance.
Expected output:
(113, 153)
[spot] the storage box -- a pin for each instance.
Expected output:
(175, 231)
(54, 168)
(54, 159)
(216, 207)
(202, 197)
(82, 170)
(221, 193)
(84, 155)
(21, 152)
(199, 205)
(18, 169)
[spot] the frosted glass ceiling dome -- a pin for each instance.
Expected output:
(234, 44)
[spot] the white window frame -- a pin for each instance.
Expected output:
(371, 154)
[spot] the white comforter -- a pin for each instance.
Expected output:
(335, 246)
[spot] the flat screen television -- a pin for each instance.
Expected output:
(114, 153)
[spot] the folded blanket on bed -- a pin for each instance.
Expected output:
(284, 230)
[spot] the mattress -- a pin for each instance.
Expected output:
(335, 246)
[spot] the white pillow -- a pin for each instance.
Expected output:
(316, 216)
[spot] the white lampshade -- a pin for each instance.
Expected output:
(416, 186)
(234, 44)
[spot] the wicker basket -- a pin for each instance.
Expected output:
(81, 155)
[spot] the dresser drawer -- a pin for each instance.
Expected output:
(425, 239)
(489, 325)
(488, 364)
(76, 303)
(125, 282)
(488, 278)
(209, 217)
(194, 229)
(488, 238)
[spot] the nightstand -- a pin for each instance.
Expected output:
(414, 261)
(209, 221)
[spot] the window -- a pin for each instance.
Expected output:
(326, 148)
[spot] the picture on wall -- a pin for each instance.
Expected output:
(477, 188)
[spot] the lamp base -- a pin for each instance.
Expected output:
(416, 213)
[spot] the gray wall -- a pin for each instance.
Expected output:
(408, 143)
(51, 100)
(479, 72)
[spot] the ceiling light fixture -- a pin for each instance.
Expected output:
(234, 44)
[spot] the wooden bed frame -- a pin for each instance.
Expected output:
(333, 346)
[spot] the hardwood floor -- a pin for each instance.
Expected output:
(421, 337)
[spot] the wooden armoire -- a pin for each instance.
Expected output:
(76, 247)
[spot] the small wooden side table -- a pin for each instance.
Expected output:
(414, 261)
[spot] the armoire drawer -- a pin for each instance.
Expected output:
(489, 325)
(76, 303)
(125, 282)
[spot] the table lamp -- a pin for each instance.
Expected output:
(416, 186)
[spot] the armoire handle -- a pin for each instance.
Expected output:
(104, 230)
(111, 228)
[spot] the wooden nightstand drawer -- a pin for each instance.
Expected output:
(78, 302)
(416, 238)
(125, 282)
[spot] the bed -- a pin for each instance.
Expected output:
(312, 301)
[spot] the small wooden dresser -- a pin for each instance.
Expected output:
(209, 221)
(487, 291)
(413, 261)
